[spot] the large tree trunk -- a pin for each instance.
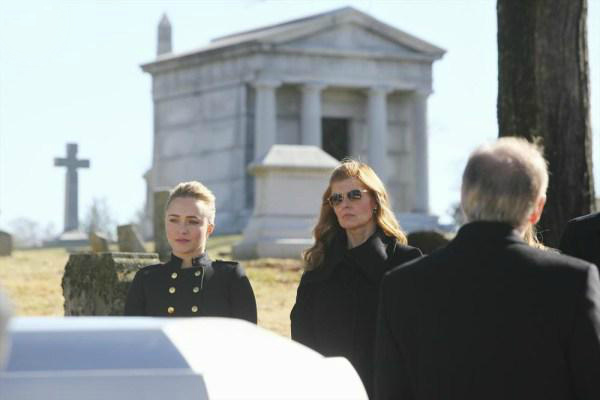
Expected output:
(543, 94)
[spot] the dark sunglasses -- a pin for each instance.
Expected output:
(336, 198)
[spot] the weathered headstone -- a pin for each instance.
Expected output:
(97, 283)
(427, 241)
(130, 239)
(5, 313)
(161, 245)
(98, 242)
(6, 244)
(290, 181)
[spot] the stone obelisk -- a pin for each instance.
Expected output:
(164, 44)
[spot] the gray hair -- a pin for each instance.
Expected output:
(503, 181)
(5, 311)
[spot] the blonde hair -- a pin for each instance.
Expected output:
(503, 181)
(194, 190)
(530, 236)
(327, 227)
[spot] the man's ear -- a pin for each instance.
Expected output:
(536, 214)
(211, 228)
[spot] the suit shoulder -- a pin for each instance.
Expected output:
(550, 265)
(423, 264)
(231, 267)
(151, 269)
(563, 260)
(226, 264)
(406, 249)
(409, 267)
(586, 220)
(401, 253)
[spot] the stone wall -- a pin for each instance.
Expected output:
(97, 283)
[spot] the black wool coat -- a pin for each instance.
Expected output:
(489, 317)
(336, 303)
(208, 288)
(581, 238)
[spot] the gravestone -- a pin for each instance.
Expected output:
(6, 244)
(427, 241)
(290, 181)
(98, 242)
(161, 245)
(97, 283)
(5, 313)
(130, 239)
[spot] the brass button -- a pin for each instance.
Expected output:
(196, 289)
(174, 275)
(194, 308)
(197, 273)
(172, 290)
(171, 310)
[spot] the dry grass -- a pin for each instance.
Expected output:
(32, 279)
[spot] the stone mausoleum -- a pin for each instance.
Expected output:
(342, 81)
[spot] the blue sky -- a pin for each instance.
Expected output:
(69, 72)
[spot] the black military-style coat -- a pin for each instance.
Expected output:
(206, 289)
(489, 317)
(336, 303)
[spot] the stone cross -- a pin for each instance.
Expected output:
(71, 186)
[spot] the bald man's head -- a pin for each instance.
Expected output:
(503, 181)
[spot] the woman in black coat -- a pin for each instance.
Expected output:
(190, 284)
(357, 240)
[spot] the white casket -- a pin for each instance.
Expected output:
(114, 358)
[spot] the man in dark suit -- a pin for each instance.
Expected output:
(581, 238)
(488, 316)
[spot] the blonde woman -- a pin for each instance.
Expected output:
(190, 284)
(357, 240)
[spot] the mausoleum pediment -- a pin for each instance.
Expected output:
(345, 29)
(344, 32)
(352, 38)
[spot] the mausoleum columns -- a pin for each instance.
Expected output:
(311, 114)
(377, 130)
(265, 114)
(421, 157)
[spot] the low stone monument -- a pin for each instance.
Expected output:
(6, 244)
(98, 242)
(129, 239)
(5, 313)
(161, 245)
(97, 283)
(289, 183)
(427, 241)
